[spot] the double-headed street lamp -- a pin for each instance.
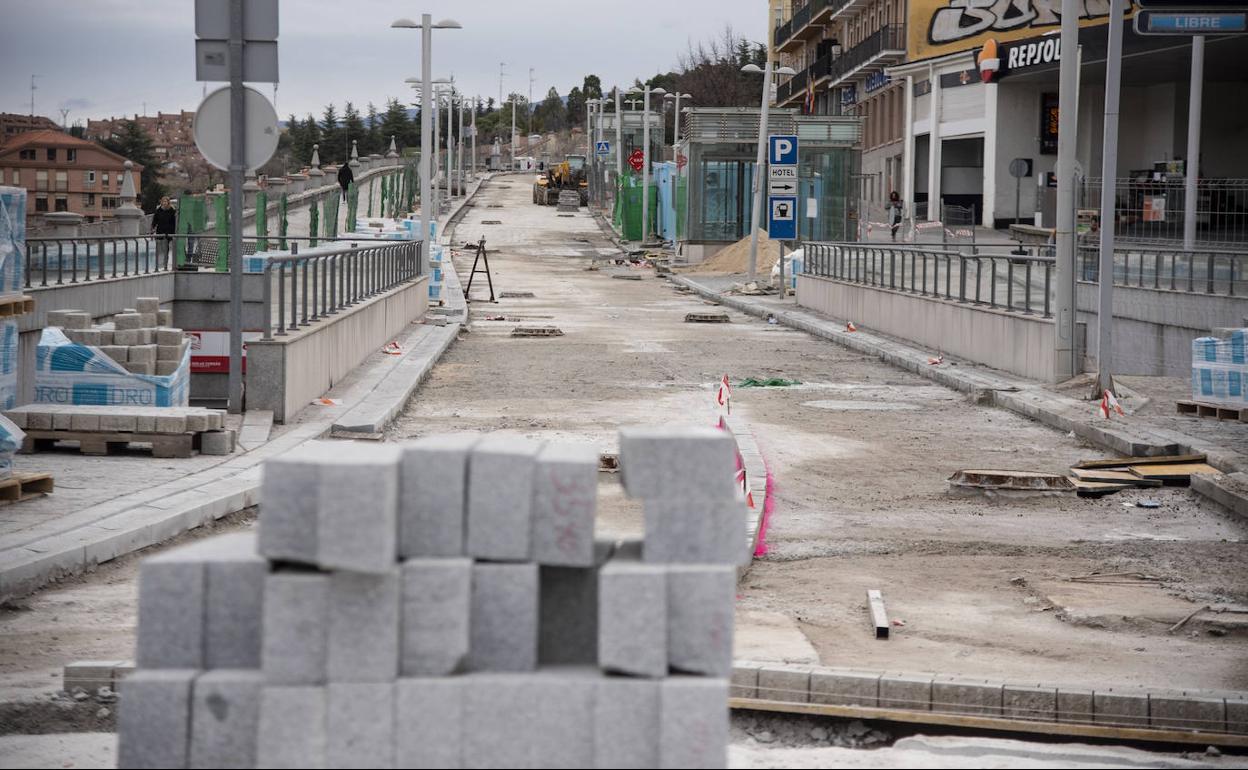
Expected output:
(429, 171)
(676, 97)
(758, 163)
(645, 155)
(426, 27)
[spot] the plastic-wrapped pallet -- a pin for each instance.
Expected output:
(11, 438)
(12, 238)
(8, 364)
(1220, 369)
(69, 373)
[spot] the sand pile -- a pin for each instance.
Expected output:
(736, 258)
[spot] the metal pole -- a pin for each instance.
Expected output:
(1109, 194)
(437, 155)
(676, 129)
(1191, 170)
(513, 134)
(450, 140)
(476, 102)
(238, 163)
(619, 131)
(1068, 121)
(645, 167)
(758, 173)
(426, 135)
(459, 148)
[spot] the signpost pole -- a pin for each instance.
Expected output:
(756, 209)
(1191, 168)
(645, 168)
(1068, 116)
(1109, 194)
(238, 162)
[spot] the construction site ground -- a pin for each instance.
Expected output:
(860, 454)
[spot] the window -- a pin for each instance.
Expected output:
(108, 203)
(26, 154)
(62, 181)
(17, 178)
(88, 179)
(41, 180)
(41, 203)
(51, 153)
(105, 182)
(62, 203)
(88, 200)
(71, 156)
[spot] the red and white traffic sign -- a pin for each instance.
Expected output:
(637, 159)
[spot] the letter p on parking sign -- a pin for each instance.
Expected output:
(782, 149)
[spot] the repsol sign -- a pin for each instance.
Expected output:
(1024, 55)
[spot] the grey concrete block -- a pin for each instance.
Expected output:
(360, 725)
(216, 419)
(18, 418)
(429, 714)
(906, 691)
(217, 442)
(1125, 708)
(39, 421)
(433, 480)
(363, 627)
(124, 423)
(632, 618)
(789, 683)
(565, 496)
(700, 601)
(154, 719)
(697, 531)
(127, 338)
(196, 421)
(1187, 711)
(1074, 705)
(61, 421)
(170, 337)
(296, 628)
(357, 509)
(147, 304)
(91, 337)
(57, 317)
(845, 688)
(744, 681)
(172, 597)
(568, 628)
(136, 367)
(499, 721)
(78, 320)
(225, 713)
(678, 462)
(168, 352)
(292, 730)
(288, 502)
(88, 675)
(148, 321)
(127, 322)
(693, 722)
(146, 336)
(106, 336)
(958, 695)
(119, 353)
(234, 613)
(563, 721)
(166, 368)
(1237, 714)
(85, 421)
(437, 595)
(1036, 702)
(142, 354)
(503, 628)
(626, 722)
(500, 497)
(145, 423)
(164, 317)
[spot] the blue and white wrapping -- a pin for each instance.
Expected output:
(69, 373)
(1220, 369)
(8, 364)
(11, 438)
(12, 238)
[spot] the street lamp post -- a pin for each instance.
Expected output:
(758, 163)
(426, 27)
(513, 132)
(676, 119)
(645, 157)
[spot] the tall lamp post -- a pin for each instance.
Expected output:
(758, 163)
(645, 156)
(426, 27)
(431, 171)
(676, 97)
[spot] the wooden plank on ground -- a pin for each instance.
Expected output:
(1124, 462)
(1112, 476)
(1099, 488)
(1171, 472)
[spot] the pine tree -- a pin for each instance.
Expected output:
(374, 142)
(331, 136)
(353, 128)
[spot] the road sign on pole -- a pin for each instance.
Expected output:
(602, 148)
(782, 187)
(782, 149)
(782, 217)
(637, 160)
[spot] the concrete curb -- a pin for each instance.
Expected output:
(1213, 711)
(1020, 396)
(751, 460)
(396, 388)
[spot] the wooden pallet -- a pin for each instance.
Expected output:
(1202, 409)
(537, 331)
(21, 305)
(707, 318)
(103, 443)
(24, 486)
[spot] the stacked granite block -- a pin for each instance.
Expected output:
(444, 603)
(140, 339)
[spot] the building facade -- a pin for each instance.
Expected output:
(12, 124)
(840, 50)
(173, 141)
(63, 173)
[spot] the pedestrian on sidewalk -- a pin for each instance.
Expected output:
(164, 225)
(345, 178)
(894, 212)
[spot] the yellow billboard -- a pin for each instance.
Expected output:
(946, 26)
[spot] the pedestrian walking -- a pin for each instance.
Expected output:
(345, 178)
(164, 225)
(894, 212)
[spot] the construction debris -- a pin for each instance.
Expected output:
(879, 617)
(537, 331)
(1017, 481)
(1095, 478)
(719, 317)
(516, 295)
(770, 382)
(627, 276)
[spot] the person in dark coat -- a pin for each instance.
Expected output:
(164, 225)
(345, 178)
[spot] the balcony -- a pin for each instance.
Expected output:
(887, 45)
(789, 36)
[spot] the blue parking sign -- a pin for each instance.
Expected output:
(782, 149)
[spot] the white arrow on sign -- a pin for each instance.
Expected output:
(781, 187)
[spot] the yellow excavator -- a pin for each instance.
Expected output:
(568, 175)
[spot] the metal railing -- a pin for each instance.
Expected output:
(1154, 210)
(325, 283)
(1200, 271)
(890, 37)
(1016, 282)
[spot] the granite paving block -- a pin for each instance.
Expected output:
(363, 626)
(744, 681)
(88, 675)
(781, 682)
(568, 629)
(906, 691)
(57, 317)
(1019, 701)
(296, 628)
(18, 418)
(147, 304)
(127, 322)
(357, 509)
(118, 423)
(168, 352)
(503, 628)
(433, 479)
(1074, 705)
(225, 714)
(148, 321)
(693, 722)
(140, 367)
(78, 320)
(665, 462)
(288, 501)
(499, 721)
(166, 368)
(632, 617)
(563, 700)
(106, 336)
(700, 599)
(1236, 713)
(216, 442)
(127, 338)
(170, 337)
(565, 496)
(145, 423)
(437, 595)
(841, 687)
(142, 354)
(360, 725)
(500, 497)
(960, 695)
(164, 317)
(429, 714)
(234, 614)
(626, 723)
(1124, 708)
(154, 719)
(84, 421)
(172, 598)
(1194, 710)
(61, 421)
(39, 421)
(119, 353)
(698, 531)
(292, 730)
(196, 421)
(91, 337)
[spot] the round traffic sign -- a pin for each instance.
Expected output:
(212, 128)
(1019, 168)
(637, 159)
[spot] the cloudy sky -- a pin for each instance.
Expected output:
(118, 57)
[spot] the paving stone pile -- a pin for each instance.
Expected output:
(141, 339)
(444, 603)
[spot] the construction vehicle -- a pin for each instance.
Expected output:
(568, 175)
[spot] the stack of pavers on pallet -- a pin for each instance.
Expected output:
(141, 339)
(173, 431)
(443, 603)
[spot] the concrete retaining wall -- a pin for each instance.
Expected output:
(1015, 343)
(285, 374)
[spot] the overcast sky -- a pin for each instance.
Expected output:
(111, 57)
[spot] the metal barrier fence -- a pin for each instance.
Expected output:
(322, 284)
(1200, 271)
(1018, 282)
(1155, 210)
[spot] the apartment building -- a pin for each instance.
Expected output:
(172, 135)
(64, 173)
(12, 124)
